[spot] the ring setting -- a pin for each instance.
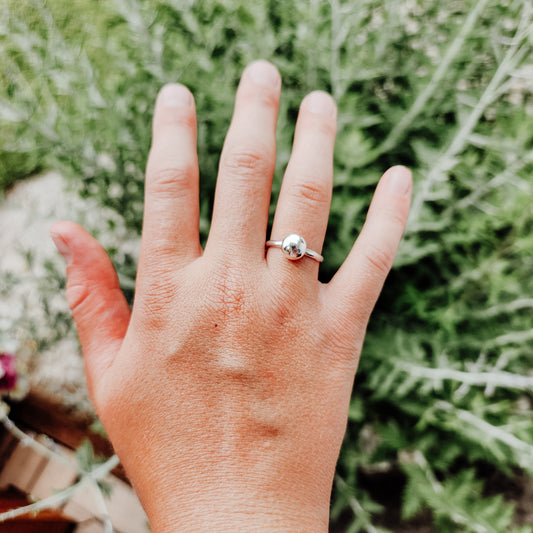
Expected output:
(294, 247)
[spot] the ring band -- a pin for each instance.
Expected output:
(294, 247)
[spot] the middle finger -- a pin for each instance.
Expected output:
(242, 197)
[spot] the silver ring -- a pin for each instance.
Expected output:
(294, 247)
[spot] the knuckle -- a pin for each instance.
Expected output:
(323, 126)
(396, 217)
(183, 117)
(311, 193)
(247, 162)
(85, 301)
(77, 294)
(172, 180)
(263, 96)
(268, 99)
(379, 259)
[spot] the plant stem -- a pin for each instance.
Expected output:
(448, 159)
(397, 133)
(510, 307)
(30, 442)
(355, 505)
(493, 432)
(500, 378)
(61, 497)
(104, 513)
(456, 515)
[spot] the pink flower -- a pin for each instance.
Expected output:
(8, 372)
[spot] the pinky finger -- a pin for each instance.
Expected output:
(355, 288)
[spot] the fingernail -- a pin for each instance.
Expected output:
(264, 73)
(62, 247)
(321, 103)
(176, 95)
(399, 180)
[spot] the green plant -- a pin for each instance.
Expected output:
(444, 388)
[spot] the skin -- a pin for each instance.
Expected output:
(225, 390)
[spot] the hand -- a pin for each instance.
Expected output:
(226, 392)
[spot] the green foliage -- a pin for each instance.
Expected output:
(86, 457)
(98, 429)
(456, 503)
(445, 382)
(88, 461)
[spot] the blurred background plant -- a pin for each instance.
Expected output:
(443, 395)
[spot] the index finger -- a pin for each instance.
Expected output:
(171, 210)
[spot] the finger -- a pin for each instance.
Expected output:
(354, 289)
(171, 212)
(305, 196)
(94, 296)
(240, 213)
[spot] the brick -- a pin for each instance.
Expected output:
(125, 510)
(83, 505)
(54, 477)
(123, 506)
(89, 526)
(22, 468)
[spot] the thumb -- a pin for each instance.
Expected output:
(94, 296)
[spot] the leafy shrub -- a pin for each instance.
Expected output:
(444, 388)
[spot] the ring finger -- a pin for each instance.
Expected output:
(305, 196)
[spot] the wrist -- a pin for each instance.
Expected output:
(203, 516)
(208, 505)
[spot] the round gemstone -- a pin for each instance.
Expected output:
(294, 246)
